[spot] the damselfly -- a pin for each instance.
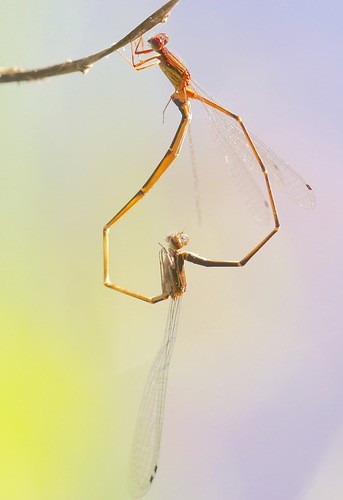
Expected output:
(148, 432)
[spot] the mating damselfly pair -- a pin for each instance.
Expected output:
(247, 155)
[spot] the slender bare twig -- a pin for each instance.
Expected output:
(19, 75)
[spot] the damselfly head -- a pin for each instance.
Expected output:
(177, 240)
(157, 42)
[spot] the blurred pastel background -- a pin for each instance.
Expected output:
(254, 406)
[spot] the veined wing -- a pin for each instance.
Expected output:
(238, 157)
(148, 431)
(241, 161)
(284, 177)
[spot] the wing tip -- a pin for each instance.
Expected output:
(152, 477)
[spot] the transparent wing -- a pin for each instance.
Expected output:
(239, 160)
(282, 176)
(242, 162)
(148, 431)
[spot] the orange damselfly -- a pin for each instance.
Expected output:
(148, 431)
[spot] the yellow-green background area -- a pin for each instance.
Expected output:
(254, 407)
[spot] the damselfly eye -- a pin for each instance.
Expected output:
(184, 239)
(158, 41)
(164, 38)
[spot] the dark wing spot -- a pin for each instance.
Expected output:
(152, 477)
(308, 187)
